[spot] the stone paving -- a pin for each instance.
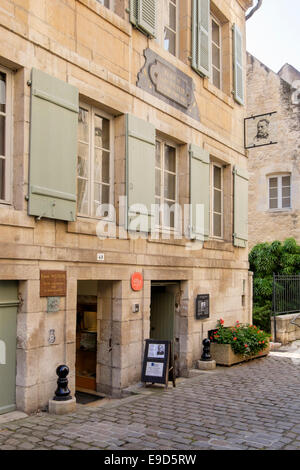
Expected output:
(255, 405)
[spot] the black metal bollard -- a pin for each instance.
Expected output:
(206, 350)
(62, 392)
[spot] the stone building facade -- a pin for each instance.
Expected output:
(110, 102)
(274, 170)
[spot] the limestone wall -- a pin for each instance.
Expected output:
(287, 328)
(98, 51)
(267, 92)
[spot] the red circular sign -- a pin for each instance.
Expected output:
(137, 281)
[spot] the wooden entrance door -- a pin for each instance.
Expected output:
(8, 340)
(162, 315)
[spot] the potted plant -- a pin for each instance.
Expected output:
(230, 345)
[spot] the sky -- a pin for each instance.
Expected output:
(273, 33)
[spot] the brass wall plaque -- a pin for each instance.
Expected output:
(53, 283)
(163, 80)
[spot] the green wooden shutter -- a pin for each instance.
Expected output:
(140, 169)
(238, 65)
(143, 15)
(53, 148)
(201, 40)
(199, 192)
(240, 235)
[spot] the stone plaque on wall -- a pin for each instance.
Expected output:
(53, 283)
(168, 83)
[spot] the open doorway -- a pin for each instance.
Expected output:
(164, 314)
(86, 336)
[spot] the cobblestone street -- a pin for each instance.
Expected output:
(250, 406)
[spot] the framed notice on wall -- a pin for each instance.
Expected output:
(157, 364)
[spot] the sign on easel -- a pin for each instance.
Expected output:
(158, 364)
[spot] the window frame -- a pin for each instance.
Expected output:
(111, 4)
(279, 192)
(8, 133)
(163, 22)
(161, 227)
(220, 47)
(93, 110)
(212, 194)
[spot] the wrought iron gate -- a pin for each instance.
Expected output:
(286, 295)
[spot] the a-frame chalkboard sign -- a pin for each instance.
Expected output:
(158, 366)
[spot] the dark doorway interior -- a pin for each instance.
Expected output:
(86, 342)
(162, 313)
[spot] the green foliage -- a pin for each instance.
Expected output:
(266, 259)
(261, 316)
(246, 340)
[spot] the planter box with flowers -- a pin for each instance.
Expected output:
(231, 345)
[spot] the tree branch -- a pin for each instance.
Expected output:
(258, 5)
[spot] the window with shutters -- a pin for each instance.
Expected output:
(279, 192)
(217, 194)
(5, 134)
(166, 184)
(211, 43)
(94, 161)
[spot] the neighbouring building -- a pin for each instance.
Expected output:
(274, 170)
(109, 109)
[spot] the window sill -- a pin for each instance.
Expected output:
(86, 225)
(276, 211)
(171, 241)
(218, 244)
(218, 93)
(108, 15)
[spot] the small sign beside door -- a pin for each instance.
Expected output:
(137, 281)
(53, 283)
(202, 306)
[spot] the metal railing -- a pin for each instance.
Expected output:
(286, 295)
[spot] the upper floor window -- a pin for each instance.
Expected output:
(5, 133)
(166, 183)
(94, 164)
(280, 192)
(216, 53)
(167, 25)
(217, 201)
(106, 3)
(171, 26)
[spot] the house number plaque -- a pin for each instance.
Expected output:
(53, 283)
